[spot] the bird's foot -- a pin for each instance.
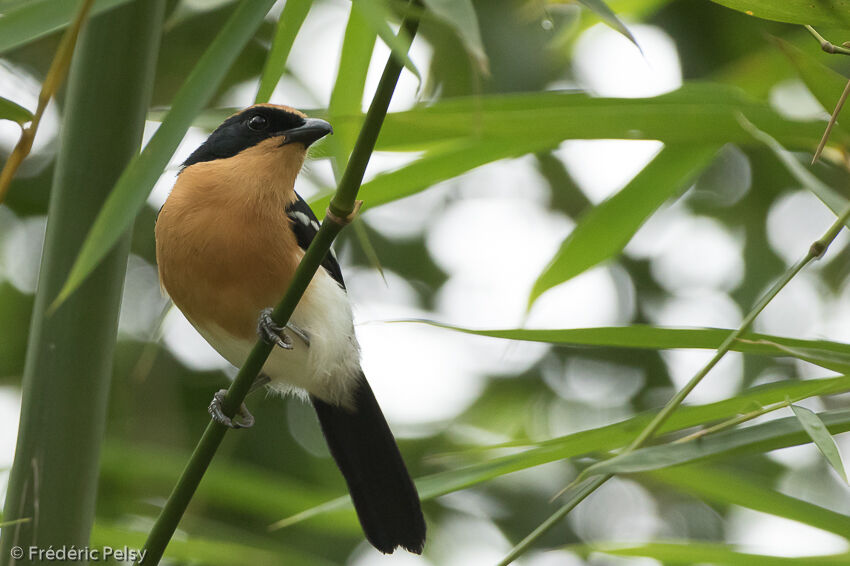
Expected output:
(273, 333)
(270, 332)
(242, 419)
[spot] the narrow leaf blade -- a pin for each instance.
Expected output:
(347, 94)
(779, 433)
(376, 15)
(824, 83)
(735, 487)
(708, 553)
(806, 12)
(293, 16)
(460, 16)
(696, 114)
(816, 430)
(607, 228)
(14, 112)
(608, 16)
(827, 195)
(830, 355)
(439, 165)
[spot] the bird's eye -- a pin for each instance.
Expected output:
(257, 122)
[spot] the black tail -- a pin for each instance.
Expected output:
(366, 453)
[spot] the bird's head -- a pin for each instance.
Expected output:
(274, 131)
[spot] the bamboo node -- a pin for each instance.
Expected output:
(344, 220)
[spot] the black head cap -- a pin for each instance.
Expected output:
(255, 124)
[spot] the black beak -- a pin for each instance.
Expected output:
(311, 130)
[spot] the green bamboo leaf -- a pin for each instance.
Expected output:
(338, 504)
(347, 99)
(734, 487)
(460, 16)
(638, 10)
(697, 113)
(438, 165)
(830, 355)
(14, 112)
(567, 28)
(807, 12)
(824, 83)
(293, 16)
(598, 440)
(780, 433)
(608, 16)
(27, 22)
(719, 554)
(377, 15)
(827, 195)
(347, 94)
(135, 183)
(836, 361)
(608, 227)
(816, 430)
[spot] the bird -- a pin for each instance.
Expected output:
(228, 240)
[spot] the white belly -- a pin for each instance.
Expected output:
(328, 368)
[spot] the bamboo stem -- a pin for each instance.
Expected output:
(53, 482)
(342, 208)
(833, 118)
(740, 419)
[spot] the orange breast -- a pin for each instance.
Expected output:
(224, 247)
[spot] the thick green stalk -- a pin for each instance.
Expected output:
(342, 207)
(583, 487)
(68, 366)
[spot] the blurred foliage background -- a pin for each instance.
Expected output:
(542, 172)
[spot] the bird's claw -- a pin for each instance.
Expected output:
(272, 333)
(242, 419)
(300, 333)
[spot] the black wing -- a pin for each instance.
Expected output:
(306, 225)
